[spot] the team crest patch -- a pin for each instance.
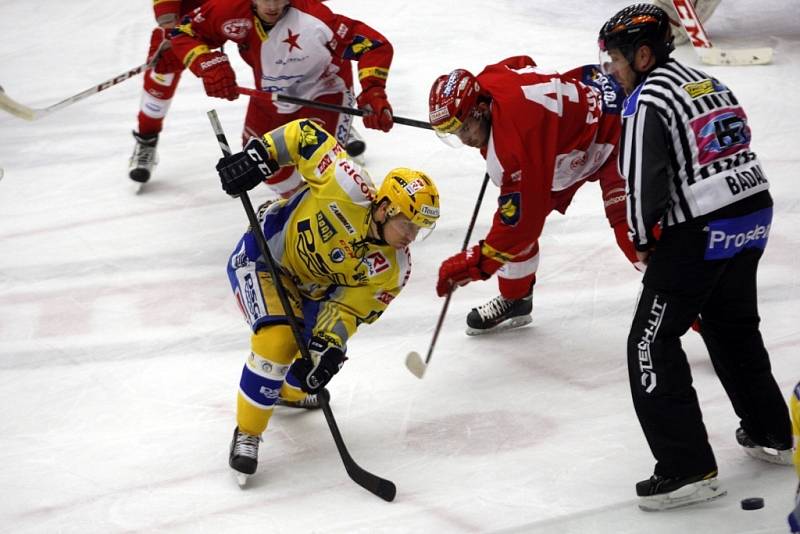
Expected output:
(311, 137)
(509, 208)
(360, 45)
(337, 255)
(235, 29)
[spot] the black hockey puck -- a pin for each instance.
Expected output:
(752, 503)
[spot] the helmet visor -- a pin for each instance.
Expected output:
(404, 231)
(449, 139)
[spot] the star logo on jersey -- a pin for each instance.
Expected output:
(291, 40)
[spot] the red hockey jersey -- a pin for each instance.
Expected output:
(306, 54)
(548, 134)
(176, 8)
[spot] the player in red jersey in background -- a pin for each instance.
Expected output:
(543, 135)
(160, 83)
(298, 48)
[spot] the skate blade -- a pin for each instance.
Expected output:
(136, 187)
(516, 322)
(241, 478)
(773, 456)
(703, 491)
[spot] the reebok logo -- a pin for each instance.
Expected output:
(205, 65)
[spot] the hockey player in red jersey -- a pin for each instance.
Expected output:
(160, 83)
(298, 48)
(543, 135)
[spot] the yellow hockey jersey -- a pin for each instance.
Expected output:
(319, 236)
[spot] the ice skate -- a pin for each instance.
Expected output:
(243, 457)
(499, 314)
(309, 402)
(773, 453)
(356, 146)
(144, 157)
(662, 493)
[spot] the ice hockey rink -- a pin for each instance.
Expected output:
(121, 346)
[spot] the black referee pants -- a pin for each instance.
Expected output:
(679, 285)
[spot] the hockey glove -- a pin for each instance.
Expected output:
(243, 171)
(460, 270)
(326, 360)
(167, 62)
(218, 77)
(373, 99)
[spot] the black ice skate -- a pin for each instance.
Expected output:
(662, 493)
(144, 157)
(243, 457)
(309, 402)
(774, 453)
(499, 314)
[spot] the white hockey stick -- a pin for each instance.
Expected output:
(32, 114)
(706, 51)
(414, 361)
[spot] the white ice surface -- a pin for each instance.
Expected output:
(121, 347)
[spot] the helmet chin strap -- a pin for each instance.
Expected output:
(378, 229)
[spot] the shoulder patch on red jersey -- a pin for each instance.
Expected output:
(508, 206)
(235, 29)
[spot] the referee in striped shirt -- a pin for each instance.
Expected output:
(699, 213)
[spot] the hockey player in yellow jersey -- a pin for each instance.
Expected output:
(342, 249)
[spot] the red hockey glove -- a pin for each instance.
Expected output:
(460, 270)
(218, 77)
(374, 99)
(167, 62)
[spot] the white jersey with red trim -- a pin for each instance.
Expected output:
(306, 54)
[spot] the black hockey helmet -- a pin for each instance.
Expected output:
(637, 25)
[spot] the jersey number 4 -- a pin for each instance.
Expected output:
(551, 95)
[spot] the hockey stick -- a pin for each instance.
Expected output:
(381, 487)
(32, 114)
(324, 105)
(706, 51)
(413, 359)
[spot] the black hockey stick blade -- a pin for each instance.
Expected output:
(385, 489)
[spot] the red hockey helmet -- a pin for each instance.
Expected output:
(452, 98)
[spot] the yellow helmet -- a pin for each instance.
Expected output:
(411, 193)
